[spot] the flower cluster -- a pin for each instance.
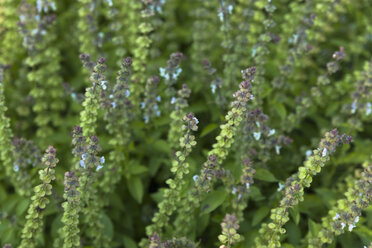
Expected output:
(347, 211)
(216, 83)
(180, 168)
(180, 103)
(88, 116)
(171, 72)
(150, 103)
(35, 213)
(293, 193)
(71, 208)
(229, 236)
(88, 168)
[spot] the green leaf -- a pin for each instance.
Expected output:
(108, 227)
(295, 214)
(208, 129)
(22, 206)
(313, 227)
(260, 214)
(280, 109)
(364, 234)
(137, 169)
(213, 201)
(265, 175)
(135, 187)
(128, 242)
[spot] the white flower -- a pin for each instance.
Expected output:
(99, 167)
(173, 100)
(103, 84)
(356, 220)
(324, 152)
(143, 105)
(113, 104)
(158, 98)
(177, 73)
(353, 107)
(111, 96)
(234, 191)
(82, 164)
(162, 72)
(16, 168)
(239, 196)
(257, 135)
(127, 93)
(343, 225)
(84, 156)
(277, 149)
(368, 108)
(213, 88)
(308, 153)
(195, 177)
(220, 15)
(102, 160)
(351, 226)
(247, 185)
(109, 2)
(158, 113)
(196, 120)
(281, 187)
(146, 118)
(230, 8)
(258, 124)
(336, 217)
(272, 132)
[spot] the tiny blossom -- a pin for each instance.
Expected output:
(356, 219)
(173, 100)
(234, 191)
(337, 216)
(247, 185)
(162, 72)
(84, 156)
(127, 93)
(196, 120)
(195, 177)
(158, 113)
(111, 96)
(308, 153)
(113, 104)
(103, 84)
(239, 196)
(143, 105)
(281, 187)
(258, 124)
(82, 163)
(351, 226)
(99, 167)
(102, 160)
(146, 118)
(353, 107)
(277, 149)
(368, 108)
(343, 225)
(324, 152)
(257, 135)
(16, 168)
(158, 98)
(213, 88)
(272, 132)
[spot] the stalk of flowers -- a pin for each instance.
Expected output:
(26, 154)
(347, 211)
(229, 58)
(156, 242)
(88, 117)
(361, 97)
(35, 213)
(37, 27)
(240, 192)
(260, 49)
(294, 190)
(180, 168)
(87, 169)
(142, 48)
(225, 139)
(204, 40)
(241, 19)
(171, 72)
(150, 103)
(71, 206)
(10, 40)
(216, 83)
(118, 115)
(295, 42)
(180, 103)
(87, 26)
(7, 149)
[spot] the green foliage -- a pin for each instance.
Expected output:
(130, 86)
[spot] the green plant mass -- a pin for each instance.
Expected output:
(185, 123)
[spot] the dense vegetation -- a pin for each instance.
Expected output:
(185, 123)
